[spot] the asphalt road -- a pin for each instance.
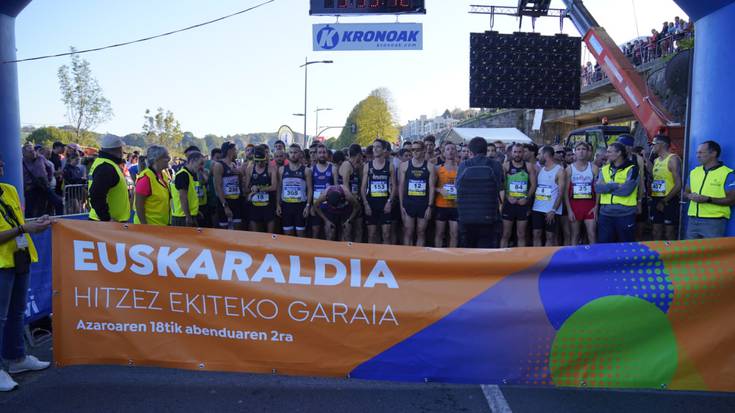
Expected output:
(141, 389)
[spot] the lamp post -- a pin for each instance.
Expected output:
(306, 85)
(316, 127)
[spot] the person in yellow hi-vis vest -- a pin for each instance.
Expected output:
(189, 192)
(152, 193)
(711, 192)
(665, 190)
(617, 186)
(17, 252)
(108, 190)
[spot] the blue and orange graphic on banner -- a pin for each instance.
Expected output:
(642, 315)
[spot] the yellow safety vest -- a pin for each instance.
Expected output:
(158, 204)
(192, 195)
(663, 179)
(620, 177)
(709, 183)
(118, 198)
(8, 248)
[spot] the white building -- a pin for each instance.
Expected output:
(423, 126)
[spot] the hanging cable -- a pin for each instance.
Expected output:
(145, 38)
(635, 19)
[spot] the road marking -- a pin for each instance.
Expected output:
(495, 399)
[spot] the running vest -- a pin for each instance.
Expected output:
(581, 186)
(194, 190)
(547, 191)
(321, 180)
(518, 181)
(118, 198)
(417, 183)
(709, 183)
(447, 181)
(378, 181)
(294, 185)
(663, 179)
(620, 177)
(354, 181)
(10, 218)
(157, 205)
(262, 181)
(230, 182)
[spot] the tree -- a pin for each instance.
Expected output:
(162, 129)
(372, 118)
(86, 106)
(48, 135)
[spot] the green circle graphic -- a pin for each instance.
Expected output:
(615, 341)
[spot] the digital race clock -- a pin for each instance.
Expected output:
(338, 7)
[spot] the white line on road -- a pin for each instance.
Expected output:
(495, 399)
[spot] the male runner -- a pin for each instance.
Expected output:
(323, 175)
(580, 199)
(294, 194)
(520, 181)
(416, 183)
(665, 190)
(261, 182)
(377, 187)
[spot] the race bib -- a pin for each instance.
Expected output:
(317, 193)
(379, 189)
(199, 190)
(260, 198)
(416, 188)
(231, 185)
(451, 190)
(582, 191)
(543, 193)
(659, 188)
(518, 188)
(292, 192)
(355, 189)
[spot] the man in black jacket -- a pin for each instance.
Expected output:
(108, 193)
(480, 191)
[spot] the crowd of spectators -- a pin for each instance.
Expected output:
(660, 43)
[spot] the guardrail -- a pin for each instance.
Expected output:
(639, 54)
(75, 199)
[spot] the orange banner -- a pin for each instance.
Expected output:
(636, 315)
(240, 301)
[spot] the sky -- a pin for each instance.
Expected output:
(242, 75)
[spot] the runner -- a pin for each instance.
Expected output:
(548, 203)
(323, 175)
(580, 199)
(294, 194)
(520, 182)
(416, 183)
(565, 235)
(378, 182)
(430, 146)
(337, 210)
(665, 189)
(227, 182)
(349, 179)
(446, 198)
(261, 182)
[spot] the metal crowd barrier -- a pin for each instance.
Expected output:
(75, 199)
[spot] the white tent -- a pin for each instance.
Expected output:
(505, 135)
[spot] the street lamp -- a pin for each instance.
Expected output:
(306, 77)
(316, 127)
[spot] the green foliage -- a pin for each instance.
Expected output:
(374, 118)
(86, 106)
(331, 144)
(163, 129)
(48, 135)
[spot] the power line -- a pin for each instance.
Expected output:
(145, 38)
